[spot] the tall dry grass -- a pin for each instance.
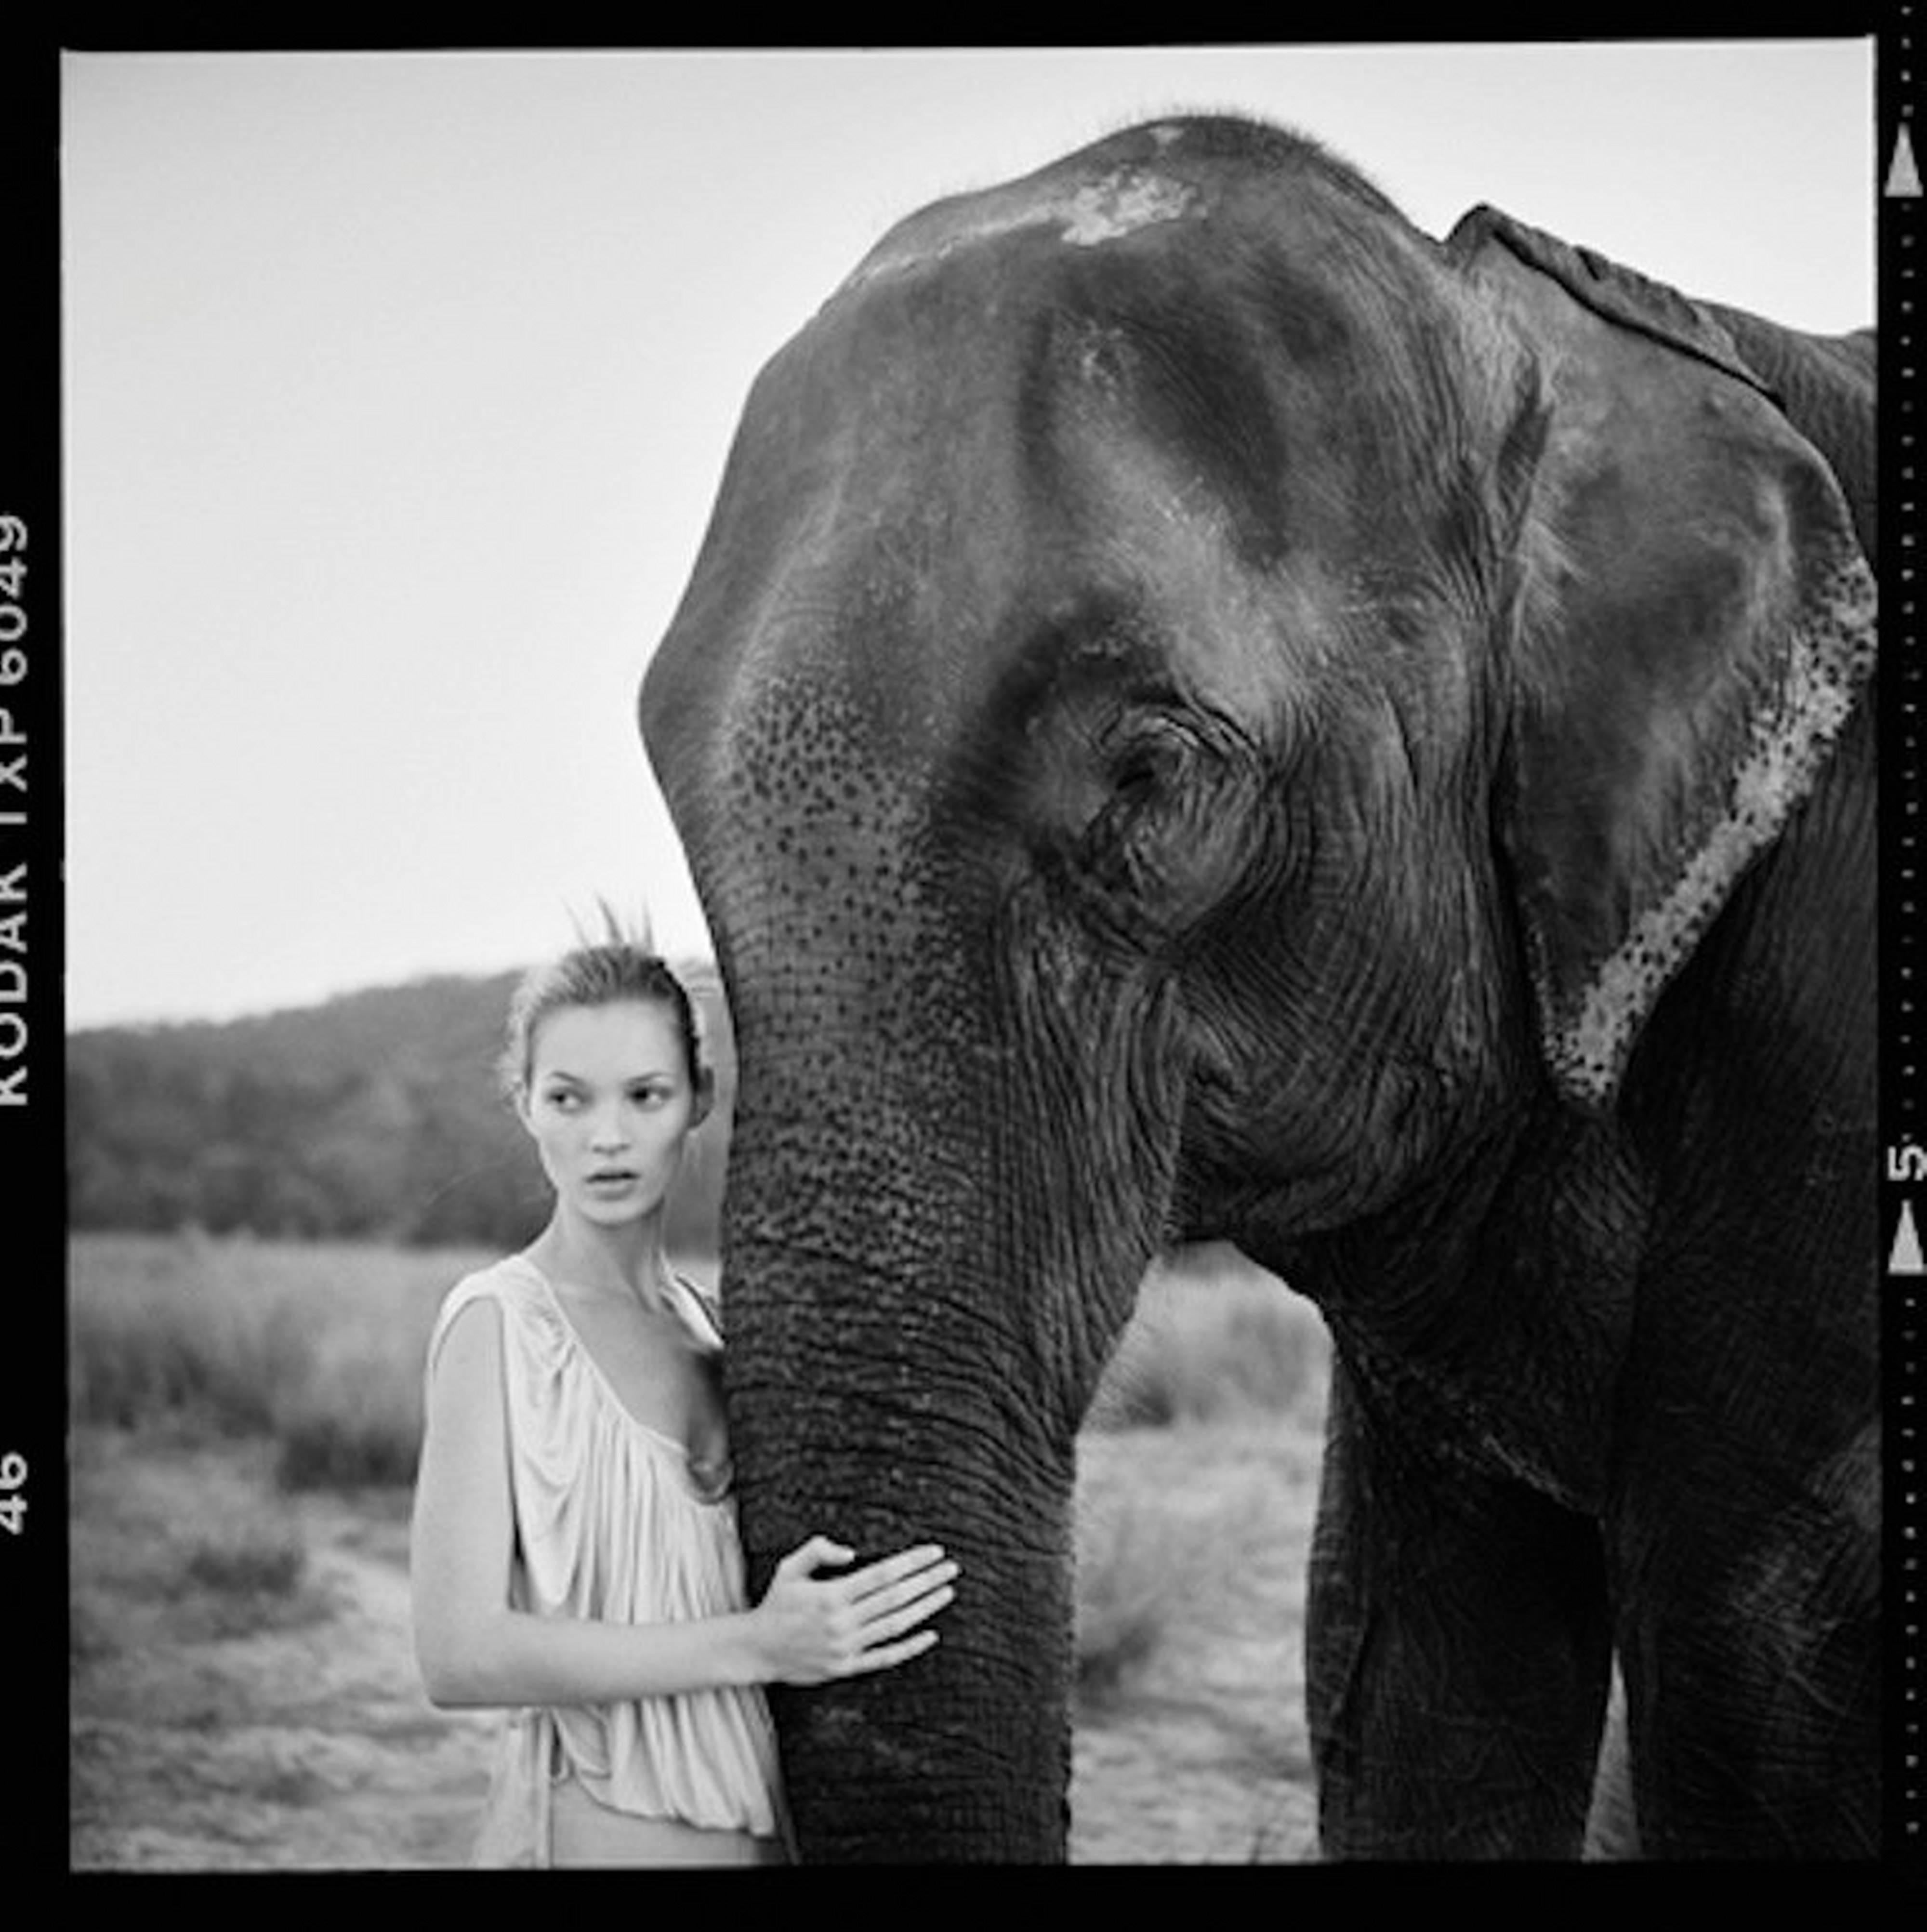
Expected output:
(1216, 1343)
(156, 1562)
(1214, 1338)
(320, 1347)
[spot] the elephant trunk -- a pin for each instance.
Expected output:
(881, 1391)
(963, 1752)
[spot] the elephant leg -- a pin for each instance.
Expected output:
(1457, 1653)
(1753, 1664)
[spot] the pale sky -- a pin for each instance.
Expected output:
(398, 387)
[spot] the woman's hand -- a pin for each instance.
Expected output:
(810, 1629)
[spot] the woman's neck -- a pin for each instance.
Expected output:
(628, 1261)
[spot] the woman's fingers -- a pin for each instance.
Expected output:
(905, 1565)
(891, 1654)
(893, 1597)
(879, 1626)
(926, 1590)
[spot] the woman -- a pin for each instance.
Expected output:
(575, 1552)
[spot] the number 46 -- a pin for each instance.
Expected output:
(12, 1474)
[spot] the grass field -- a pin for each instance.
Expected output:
(246, 1418)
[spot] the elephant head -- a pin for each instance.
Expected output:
(1198, 710)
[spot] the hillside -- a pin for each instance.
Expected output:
(373, 1116)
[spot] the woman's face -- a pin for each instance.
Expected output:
(609, 1103)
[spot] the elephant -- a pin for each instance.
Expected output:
(1202, 712)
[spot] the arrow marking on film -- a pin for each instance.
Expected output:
(1903, 177)
(1907, 1257)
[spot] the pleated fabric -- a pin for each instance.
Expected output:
(612, 1522)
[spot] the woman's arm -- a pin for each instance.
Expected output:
(474, 1649)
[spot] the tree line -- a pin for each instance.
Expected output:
(375, 1116)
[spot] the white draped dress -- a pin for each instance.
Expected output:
(612, 1522)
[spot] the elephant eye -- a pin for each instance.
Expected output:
(1141, 765)
(1147, 756)
(1137, 773)
(1169, 812)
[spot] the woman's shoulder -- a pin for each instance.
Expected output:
(512, 1279)
(509, 1285)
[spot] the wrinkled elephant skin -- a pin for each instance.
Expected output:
(1202, 712)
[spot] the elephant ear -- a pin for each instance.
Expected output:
(1695, 622)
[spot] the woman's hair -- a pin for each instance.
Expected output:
(599, 973)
